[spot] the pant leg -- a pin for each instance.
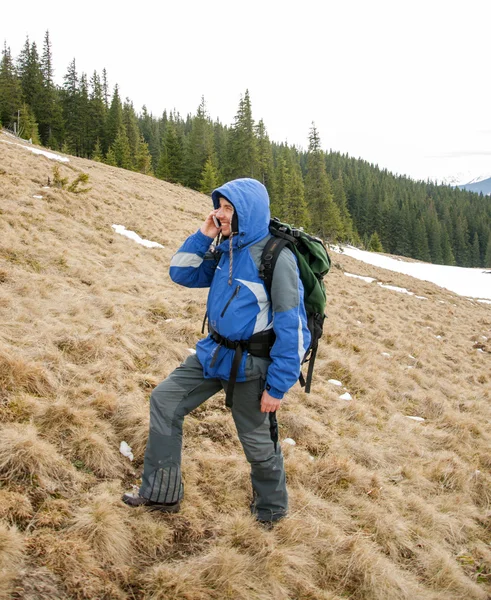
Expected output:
(184, 390)
(268, 478)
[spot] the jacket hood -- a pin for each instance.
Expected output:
(251, 202)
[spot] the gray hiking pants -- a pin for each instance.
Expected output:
(184, 390)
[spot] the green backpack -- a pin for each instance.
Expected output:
(313, 263)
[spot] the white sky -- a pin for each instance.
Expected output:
(405, 85)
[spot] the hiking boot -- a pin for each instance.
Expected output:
(134, 499)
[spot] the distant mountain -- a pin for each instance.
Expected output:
(479, 184)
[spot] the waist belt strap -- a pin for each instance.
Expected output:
(258, 345)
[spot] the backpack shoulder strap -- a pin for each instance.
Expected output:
(269, 257)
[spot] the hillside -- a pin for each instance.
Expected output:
(383, 507)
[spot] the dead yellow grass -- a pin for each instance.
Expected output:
(381, 507)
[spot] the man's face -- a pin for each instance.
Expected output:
(225, 214)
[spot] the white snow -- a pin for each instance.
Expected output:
(334, 382)
(418, 419)
(290, 442)
(50, 155)
(395, 289)
(38, 197)
(385, 354)
(367, 279)
(421, 297)
(126, 450)
(191, 351)
(121, 229)
(474, 283)
(345, 396)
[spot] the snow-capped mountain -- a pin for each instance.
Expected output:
(481, 184)
(468, 181)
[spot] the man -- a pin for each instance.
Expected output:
(255, 373)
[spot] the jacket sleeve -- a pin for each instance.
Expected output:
(189, 267)
(289, 324)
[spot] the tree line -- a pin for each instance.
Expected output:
(338, 197)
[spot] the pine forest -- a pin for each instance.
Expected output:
(338, 197)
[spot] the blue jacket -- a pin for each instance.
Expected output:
(238, 310)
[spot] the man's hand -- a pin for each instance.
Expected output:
(268, 403)
(208, 228)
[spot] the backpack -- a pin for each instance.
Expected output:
(313, 263)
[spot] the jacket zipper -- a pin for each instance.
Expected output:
(236, 291)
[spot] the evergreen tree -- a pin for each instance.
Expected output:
(242, 153)
(209, 178)
(374, 244)
(280, 189)
(121, 149)
(421, 248)
(326, 220)
(28, 128)
(339, 194)
(296, 210)
(475, 256)
(96, 116)
(487, 256)
(447, 252)
(50, 110)
(111, 158)
(171, 159)
(71, 110)
(199, 147)
(31, 77)
(10, 90)
(114, 118)
(143, 159)
(132, 131)
(97, 152)
(265, 158)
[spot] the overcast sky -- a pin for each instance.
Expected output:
(403, 84)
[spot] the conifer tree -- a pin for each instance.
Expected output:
(326, 220)
(72, 113)
(209, 178)
(121, 149)
(374, 244)
(421, 248)
(198, 147)
(111, 158)
(242, 154)
(132, 131)
(296, 210)
(114, 118)
(447, 252)
(28, 128)
(475, 257)
(97, 152)
(10, 90)
(150, 130)
(280, 189)
(51, 126)
(143, 159)
(96, 117)
(339, 194)
(170, 164)
(487, 256)
(265, 163)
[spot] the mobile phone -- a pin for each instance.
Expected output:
(217, 222)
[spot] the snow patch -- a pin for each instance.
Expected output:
(191, 351)
(38, 197)
(346, 396)
(126, 450)
(475, 283)
(418, 419)
(394, 288)
(290, 442)
(367, 279)
(121, 229)
(334, 382)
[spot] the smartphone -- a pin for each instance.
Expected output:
(217, 222)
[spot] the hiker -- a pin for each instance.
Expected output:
(255, 374)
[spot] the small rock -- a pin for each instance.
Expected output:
(345, 396)
(290, 442)
(191, 351)
(385, 354)
(335, 382)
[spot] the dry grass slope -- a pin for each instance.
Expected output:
(382, 507)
